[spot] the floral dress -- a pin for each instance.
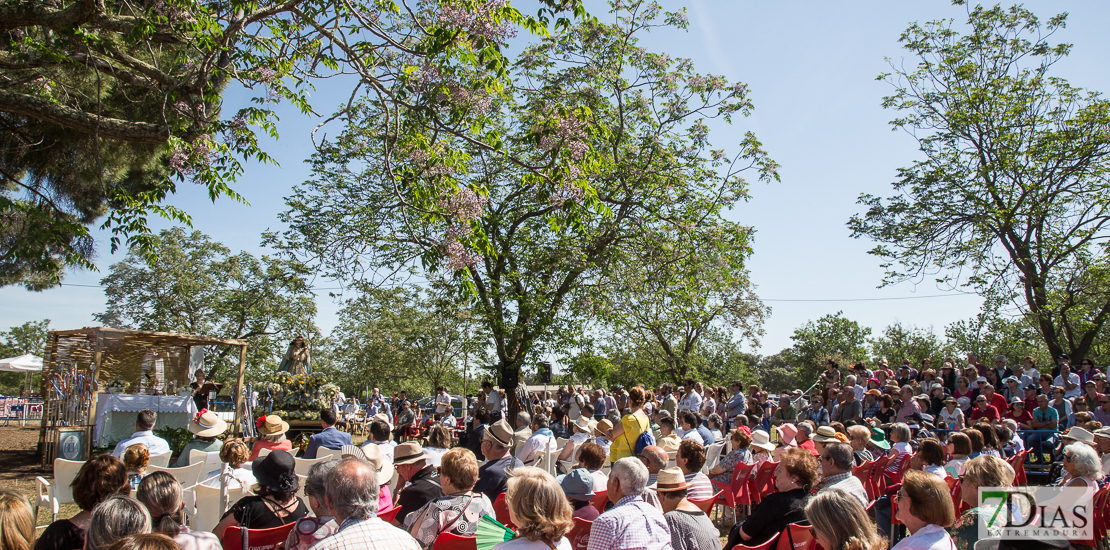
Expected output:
(730, 461)
(965, 531)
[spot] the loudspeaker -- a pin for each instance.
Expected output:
(545, 372)
(509, 379)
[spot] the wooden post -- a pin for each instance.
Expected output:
(98, 359)
(239, 391)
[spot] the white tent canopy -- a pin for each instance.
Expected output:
(23, 363)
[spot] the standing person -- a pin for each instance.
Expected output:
(423, 480)
(352, 493)
(692, 400)
(539, 510)
(459, 509)
(840, 522)
(925, 507)
(493, 401)
(736, 404)
(329, 438)
(144, 433)
(443, 401)
(200, 398)
(99, 478)
(632, 522)
(670, 404)
(690, 528)
(626, 434)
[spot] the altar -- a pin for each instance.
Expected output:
(115, 414)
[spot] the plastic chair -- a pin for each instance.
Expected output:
(501, 511)
(301, 482)
(52, 495)
(712, 456)
(706, 504)
(389, 515)
(579, 535)
(736, 493)
(237, 538)
(264, 452)
(451, 541)
(763, 483)
(209, 459)
(187, 476)
(599, 500)
(863, 473)
(1018, 464)
(796, 537)
(208, 506)
(875, 485)
(764, 546)
(162, 460)
(304, 464)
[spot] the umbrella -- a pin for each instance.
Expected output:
(23, 363)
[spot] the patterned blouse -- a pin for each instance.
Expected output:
(965, 531)
(458, 514)
(730, 461)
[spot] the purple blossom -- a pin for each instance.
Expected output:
(482, 20)
(179, 162)
(458, 257)
(566, 192)
(266, 75)
(464, 205)
(570, 132)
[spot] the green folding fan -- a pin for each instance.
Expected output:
(491, 533)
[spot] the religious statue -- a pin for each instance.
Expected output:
(297, 360)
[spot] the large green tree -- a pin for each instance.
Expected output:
(106, 106)
(195, 285)
(898, 342)
(601, 141)
(1012, 194)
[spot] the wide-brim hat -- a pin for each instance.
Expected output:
(374, 456)
(762, 440)
(276, 471)
(1103, 432)
(383, 417)
(407, 453)
(825, 434)
(577, 484)
(878, 439)
(787, 433)
(207, 424)
(498, 431)
(874, 392)
(273, 425)
(669, 480)
(981, 379)
(1080, 434)
(602, 428)
(583, 424)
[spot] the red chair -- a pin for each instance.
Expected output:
(763, 483)
(501, 511)
(736, 493)
(451, 541)
(797, 537)
(389, 515)
(599, 500)
(579, 535)
(875, 485)
(237, 538)
(893, 518)
(706, 504)
(1017, 462)
(764, 546)
(863, 473)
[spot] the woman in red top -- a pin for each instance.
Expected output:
(271, 435)
(1018, 414)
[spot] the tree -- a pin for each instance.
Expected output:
(1012, 197)
(107, 105)
(406, 339)
(899, 342)
(601, 141)
(672, 287)
(30, 337)
(195, 285)
(988, 335)
(830, 337)
(774, 373)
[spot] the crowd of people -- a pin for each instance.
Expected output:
(645, 448)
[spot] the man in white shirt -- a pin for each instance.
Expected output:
(443, 401)
(542, 440)
(144, 424)
(850, 381)
(692, 400)
(1069, 381)
(577, 401)
(493, 401)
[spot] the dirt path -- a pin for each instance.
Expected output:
(19, 465)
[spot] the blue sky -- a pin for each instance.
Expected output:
(811, 67)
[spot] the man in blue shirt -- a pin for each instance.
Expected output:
(737, 403)
(330, 438)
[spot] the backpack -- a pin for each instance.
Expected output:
(646, 439)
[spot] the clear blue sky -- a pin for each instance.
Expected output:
(811, 67)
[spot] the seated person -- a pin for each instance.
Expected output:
(144, 426)
(329, 438)
(205, 426)
(276, 502)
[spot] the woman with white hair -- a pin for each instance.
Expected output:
(117, 517)
(1082, 467)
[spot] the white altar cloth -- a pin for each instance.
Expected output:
(115, 414)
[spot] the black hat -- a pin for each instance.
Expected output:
(276, 472)
(1063, 356)
(1030, 387)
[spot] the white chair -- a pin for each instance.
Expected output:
(162, 460)
(187, 476)
(301, 480)
(208, 506)
(211, 460)
(712, 455)
(327, 453)
(303, 464)
(264, 452)
(54, 494)
(671, 457)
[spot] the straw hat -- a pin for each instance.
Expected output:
(272, 425)
(583, 424)
(603, 427)
(407, 453)
(373, 455)
(825, 434)
(762, 440)
(669, 480)
(207, 424)
(498, 431)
